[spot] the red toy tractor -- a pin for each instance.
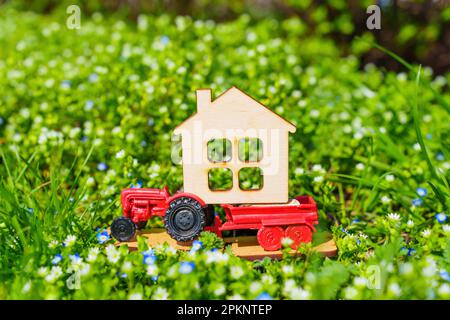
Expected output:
(186, 215)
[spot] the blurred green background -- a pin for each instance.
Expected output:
(417, 30)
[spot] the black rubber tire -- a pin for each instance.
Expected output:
(184, 219)
(141, 224)
(209, 215)
(123, 229)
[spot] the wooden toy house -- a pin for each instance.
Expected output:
(232, 138)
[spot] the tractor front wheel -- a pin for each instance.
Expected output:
(184, 219)
(123, 229)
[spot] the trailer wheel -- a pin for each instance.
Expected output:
(299, 234)
(270, 238)
(123, 229)
(184, 219)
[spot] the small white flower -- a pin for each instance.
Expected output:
(410, 223)
(287, 269)
(120, 154)
(160, 294)
(444, 290)
(360, 282)
(152, 270)
(299, 171)
(362, 235)
(236, 272)
(426, 233)
(317, 168)
(314, 113)
(54, 274)
(350, 293)
(393, 217)
(70, 240)
(27, 287)
(446, 229)
(220, 290)
(395, 289)
(416, 147)
(360, 166)
(299, 294)
(267, 279)
(385, 199)
(135, 296)
(170, 251)
(390, 177)
(112, 253)
(318, 179)
(85, 268)
(93, 254)
(42, 271)
(288, 286)
(406, 268)
(255, 287)
(53, 244)
(127, 266)
(286, 242)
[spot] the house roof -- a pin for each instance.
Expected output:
(289, 126)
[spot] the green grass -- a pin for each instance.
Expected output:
(85, 113)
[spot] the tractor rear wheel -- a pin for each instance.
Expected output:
(184, 219)
(123, 229)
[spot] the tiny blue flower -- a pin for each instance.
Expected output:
(103, 236)
(149, 256)
(2, 121)
(197, 245)
(417, 202)
(149, 259)
(440, 156)
(164, 40)
(102, 166)
(57, 259)
(65, 84)
(155, 278)
(150, 122)
(429, 136)
(30, 210)
(422, 192)
(71, 199)
(89, 105)
(137, 185)
(264, 296)
(186, 267)
(122, 274)
(214, 249)
(343, 230)
(441, 217)
(444, 275)
(84, 139)
(148, 252)
(143, 143)
(355, 221)
(384, 3)
(93, 77)
(411, 251)
(358, 241)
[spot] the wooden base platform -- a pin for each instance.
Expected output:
(246, 247)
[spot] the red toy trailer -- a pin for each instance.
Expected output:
(186, 215)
